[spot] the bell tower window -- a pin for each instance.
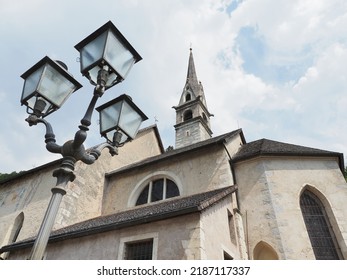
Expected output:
(188, 97)
(187, 115)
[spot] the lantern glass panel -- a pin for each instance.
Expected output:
(130, 120)
(118, 56)
(31, 83)
(109, 117)
(92, 52)
(54, 87)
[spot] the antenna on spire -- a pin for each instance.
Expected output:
(191, 45)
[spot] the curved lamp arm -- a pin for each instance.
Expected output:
(96, 151)
(51, 146)
(74, 148)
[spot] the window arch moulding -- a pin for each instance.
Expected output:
(141, 186)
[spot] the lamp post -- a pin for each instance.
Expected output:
(106, 58)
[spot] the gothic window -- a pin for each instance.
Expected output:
(140, 250)
(321, 235)
(156, 190)
(187, 115)
(188, 97)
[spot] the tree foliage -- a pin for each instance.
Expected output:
(6, 176)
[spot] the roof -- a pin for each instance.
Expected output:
(138, 215)
(265, 147)
(176, 152)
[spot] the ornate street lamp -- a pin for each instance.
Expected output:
(106, 51)
(120, 119)
(106, 58)
(47, 86)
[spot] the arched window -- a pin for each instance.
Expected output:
(187, 115)
(321, 235)
(158, 189)
(264, 251)
(188, 97)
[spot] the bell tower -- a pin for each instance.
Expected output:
(192, 116)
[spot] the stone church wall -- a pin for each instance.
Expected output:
(25, 196)
(193, 173)
(269, 195)
(219, 235)
(31, 193)
(174, 239)
(190, 133)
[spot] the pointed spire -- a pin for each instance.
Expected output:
(192, 84)
(191, 74)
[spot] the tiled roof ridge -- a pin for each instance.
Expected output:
(263, 147)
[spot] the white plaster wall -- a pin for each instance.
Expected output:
(177, 239)
(216, 233)
(269, 192)
(197, 172)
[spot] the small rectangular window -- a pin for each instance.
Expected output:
(140, 250)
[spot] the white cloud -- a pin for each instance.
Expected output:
(304, 45)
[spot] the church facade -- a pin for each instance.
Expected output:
(209, 198)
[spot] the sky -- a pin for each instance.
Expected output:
(275, 68)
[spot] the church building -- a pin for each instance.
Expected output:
(209, 198)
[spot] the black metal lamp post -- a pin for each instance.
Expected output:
(106, 58)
